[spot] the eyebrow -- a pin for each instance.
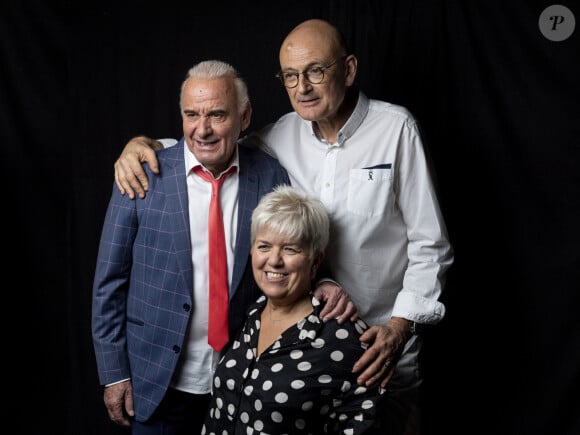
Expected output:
(308, 66)
(210, 113)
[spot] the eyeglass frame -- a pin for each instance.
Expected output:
(280, 74)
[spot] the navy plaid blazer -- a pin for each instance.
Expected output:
(142, 290)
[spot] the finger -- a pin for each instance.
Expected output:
(150, 157)
(137, 178)
(328, 307)
(387, 378)
(370, 335)
(384, 376)
(129, 403)
(128, 179)
(120, 185)
(334, 308)
(345, 310)
(137, 173)
(141, 184)
(355, 315)
(377, 369)
(122, 179)
(367, 359)
(360, 365)
(330, 293)
(350, 313)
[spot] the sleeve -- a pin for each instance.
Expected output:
(110, 286)
(429, 250)
(167, 142)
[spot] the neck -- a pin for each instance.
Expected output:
(287, 313)
(328, 128)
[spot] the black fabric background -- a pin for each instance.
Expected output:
(499, 105)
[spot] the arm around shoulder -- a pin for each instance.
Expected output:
(130, 177)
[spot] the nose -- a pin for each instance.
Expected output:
(303, 83)
(275, 258)
(204, 127)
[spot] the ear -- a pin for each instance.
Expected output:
(351, 65)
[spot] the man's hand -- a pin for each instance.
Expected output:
(338, 304)
(119, 402)
(380, 359)
(129, 175)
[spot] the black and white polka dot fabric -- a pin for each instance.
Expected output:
(302, 384)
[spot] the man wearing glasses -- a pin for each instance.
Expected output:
(365, 160)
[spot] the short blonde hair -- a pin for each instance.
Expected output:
(297, 216)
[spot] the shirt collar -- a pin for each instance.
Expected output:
(308, 326)
(191, 161)
(353, 122)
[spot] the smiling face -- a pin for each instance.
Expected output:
(211, 120)
(283, 269)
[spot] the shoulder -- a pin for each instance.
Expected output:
(169, 156)
(346, 335)
(349, 329)
(254, 157)
(259, 166)
(340, 343)
(384, 108)
(289, 122)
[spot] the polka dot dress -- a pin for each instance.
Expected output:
(301, 384)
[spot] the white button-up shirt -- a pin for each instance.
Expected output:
(389, 247)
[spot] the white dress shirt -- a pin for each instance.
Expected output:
(195, 370)
(389, 247)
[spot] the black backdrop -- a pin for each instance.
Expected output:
(500, 109)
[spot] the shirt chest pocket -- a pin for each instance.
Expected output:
(370, 191)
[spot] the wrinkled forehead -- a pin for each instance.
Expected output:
(209, 94)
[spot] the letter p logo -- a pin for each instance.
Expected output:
(556, 23)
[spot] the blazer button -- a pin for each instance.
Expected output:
(186, 307)
(176, 348)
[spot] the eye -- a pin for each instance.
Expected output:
(292, 250)
(217, 115)
(316, 71)
(262, 247)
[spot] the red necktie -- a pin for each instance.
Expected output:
(218, 264)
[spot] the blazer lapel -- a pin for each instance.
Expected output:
(175, 188)
(247, 201)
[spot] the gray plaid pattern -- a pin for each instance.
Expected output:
(142, 293)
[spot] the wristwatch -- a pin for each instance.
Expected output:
(416, 328)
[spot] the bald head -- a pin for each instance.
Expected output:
(314, 58)
(316, 37)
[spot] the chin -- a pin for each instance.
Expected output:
(274, 293)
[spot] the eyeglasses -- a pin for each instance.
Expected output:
(314, 75)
